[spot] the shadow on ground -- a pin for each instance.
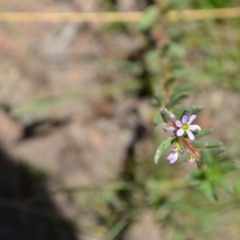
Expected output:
(24, 215)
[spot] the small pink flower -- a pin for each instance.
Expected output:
(168, 128)
(175, 153)
(185, 126)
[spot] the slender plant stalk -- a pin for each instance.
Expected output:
(106, 17)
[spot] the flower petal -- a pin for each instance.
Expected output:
(178, 123)
(194, 127)
(175, 158)
(172, 157)
(169, 129)
(180, 132)
(184, 118)
(191, 119)
(190, 135)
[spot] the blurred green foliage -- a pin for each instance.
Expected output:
(214, 3)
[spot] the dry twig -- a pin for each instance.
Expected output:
(116, 16)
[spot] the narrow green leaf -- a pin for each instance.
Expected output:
(155, 102)
(203, 132)
(198, 175)
(222, 183)
(207, 156)
(196, 109)
(175, 99)
(156, 99)
(216, 151)
(151, 59)
(117, 228)
(182, 88)
(165, 115)
(209, 190)
(176, 50)
(207, 144)
(169, 82)
(151, 55)
(162, 147)
(157, 119)
(212, 152)
(149, 17)
(180, 72)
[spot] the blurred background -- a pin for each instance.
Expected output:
(76, 131)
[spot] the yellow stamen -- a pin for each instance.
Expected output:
(185, 126)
